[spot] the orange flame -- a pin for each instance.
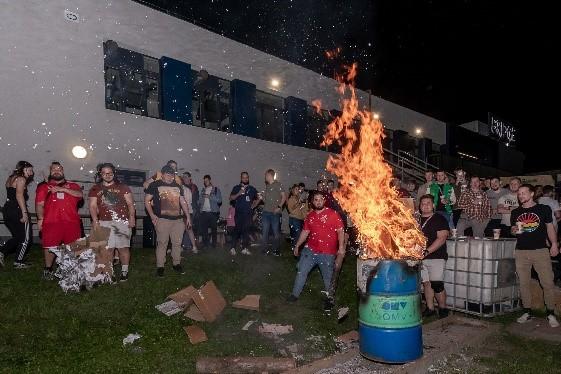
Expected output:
(333, 53)
(387, 228)
(317, 105)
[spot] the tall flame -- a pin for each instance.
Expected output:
(387, 228)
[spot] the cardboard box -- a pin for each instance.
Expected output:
(184, 296)
(250, 302)
(205, 304)
(196, 334)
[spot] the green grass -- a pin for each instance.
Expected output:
(43, 330)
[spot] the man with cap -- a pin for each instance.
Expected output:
(165, 204)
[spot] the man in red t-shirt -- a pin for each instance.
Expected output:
(56, 205)
(323, 228)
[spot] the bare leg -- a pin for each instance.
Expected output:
(441, 299)
(49, 258)
(192, 238)
(124, 255)
(429, 295)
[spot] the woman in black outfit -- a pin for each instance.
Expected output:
(16, 216)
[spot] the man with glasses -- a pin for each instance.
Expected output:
(112, 205)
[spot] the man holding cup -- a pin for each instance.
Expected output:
(532, 224)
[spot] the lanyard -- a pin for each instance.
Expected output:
(424, 224)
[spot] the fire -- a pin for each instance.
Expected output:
(333, 53)
(317, 105)
(388, 229)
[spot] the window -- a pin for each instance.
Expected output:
(270, 117)
(132, 81)
(316, 126)
(211, 106)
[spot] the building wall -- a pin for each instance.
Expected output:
(52, 96)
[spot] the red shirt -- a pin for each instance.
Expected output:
(59, 206)
(323, 228)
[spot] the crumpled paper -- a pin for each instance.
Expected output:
(130, 338)
(75, 270)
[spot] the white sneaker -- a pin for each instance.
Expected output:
(246, 252)
(233, 251)
(552, 321)
(195, 251)
(1, 259)
(524, 318)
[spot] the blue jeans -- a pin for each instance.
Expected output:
(271, 220)
(448, 217)
(309, 260)
(295, 229)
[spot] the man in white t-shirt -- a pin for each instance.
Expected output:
(507, 203)
(547, 199)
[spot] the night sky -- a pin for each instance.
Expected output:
(452, 60)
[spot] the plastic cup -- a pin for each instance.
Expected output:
(496, 233)
(454, 233)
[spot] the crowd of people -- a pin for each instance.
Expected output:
(449, 206)
(319, 229)
(181, 214)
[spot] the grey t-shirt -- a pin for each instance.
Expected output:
(272, 197)
(509, 199)
(493, 197)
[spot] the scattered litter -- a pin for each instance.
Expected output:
(342, 313)
(204, 304)
(131, 338)
(247, 325)
(315, 339)
(293, 349)
(244, 365)
(85, 262)
(250, 302)
(170, 308)
(274, 329)
(196, 334)
(208, 303)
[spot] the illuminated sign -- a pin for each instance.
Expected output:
(503, 130)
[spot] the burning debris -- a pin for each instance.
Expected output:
(84, 263)
(387, 228)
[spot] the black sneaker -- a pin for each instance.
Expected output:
(124, 276)
(429, 313)
(179, 269)
(443, 313)
(160, 272)
(276, 253)
(328, 305)
(291, 299)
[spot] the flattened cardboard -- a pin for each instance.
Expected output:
(184, 296)
(196, 334)
(194, 313)
(250, 302)
(213, 297)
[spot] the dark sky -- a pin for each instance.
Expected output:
(453, 60)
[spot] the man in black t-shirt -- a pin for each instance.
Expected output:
(165, 204)
(532, 224)
(245, 196)
(435, 228)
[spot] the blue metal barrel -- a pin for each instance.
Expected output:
(390, 314)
